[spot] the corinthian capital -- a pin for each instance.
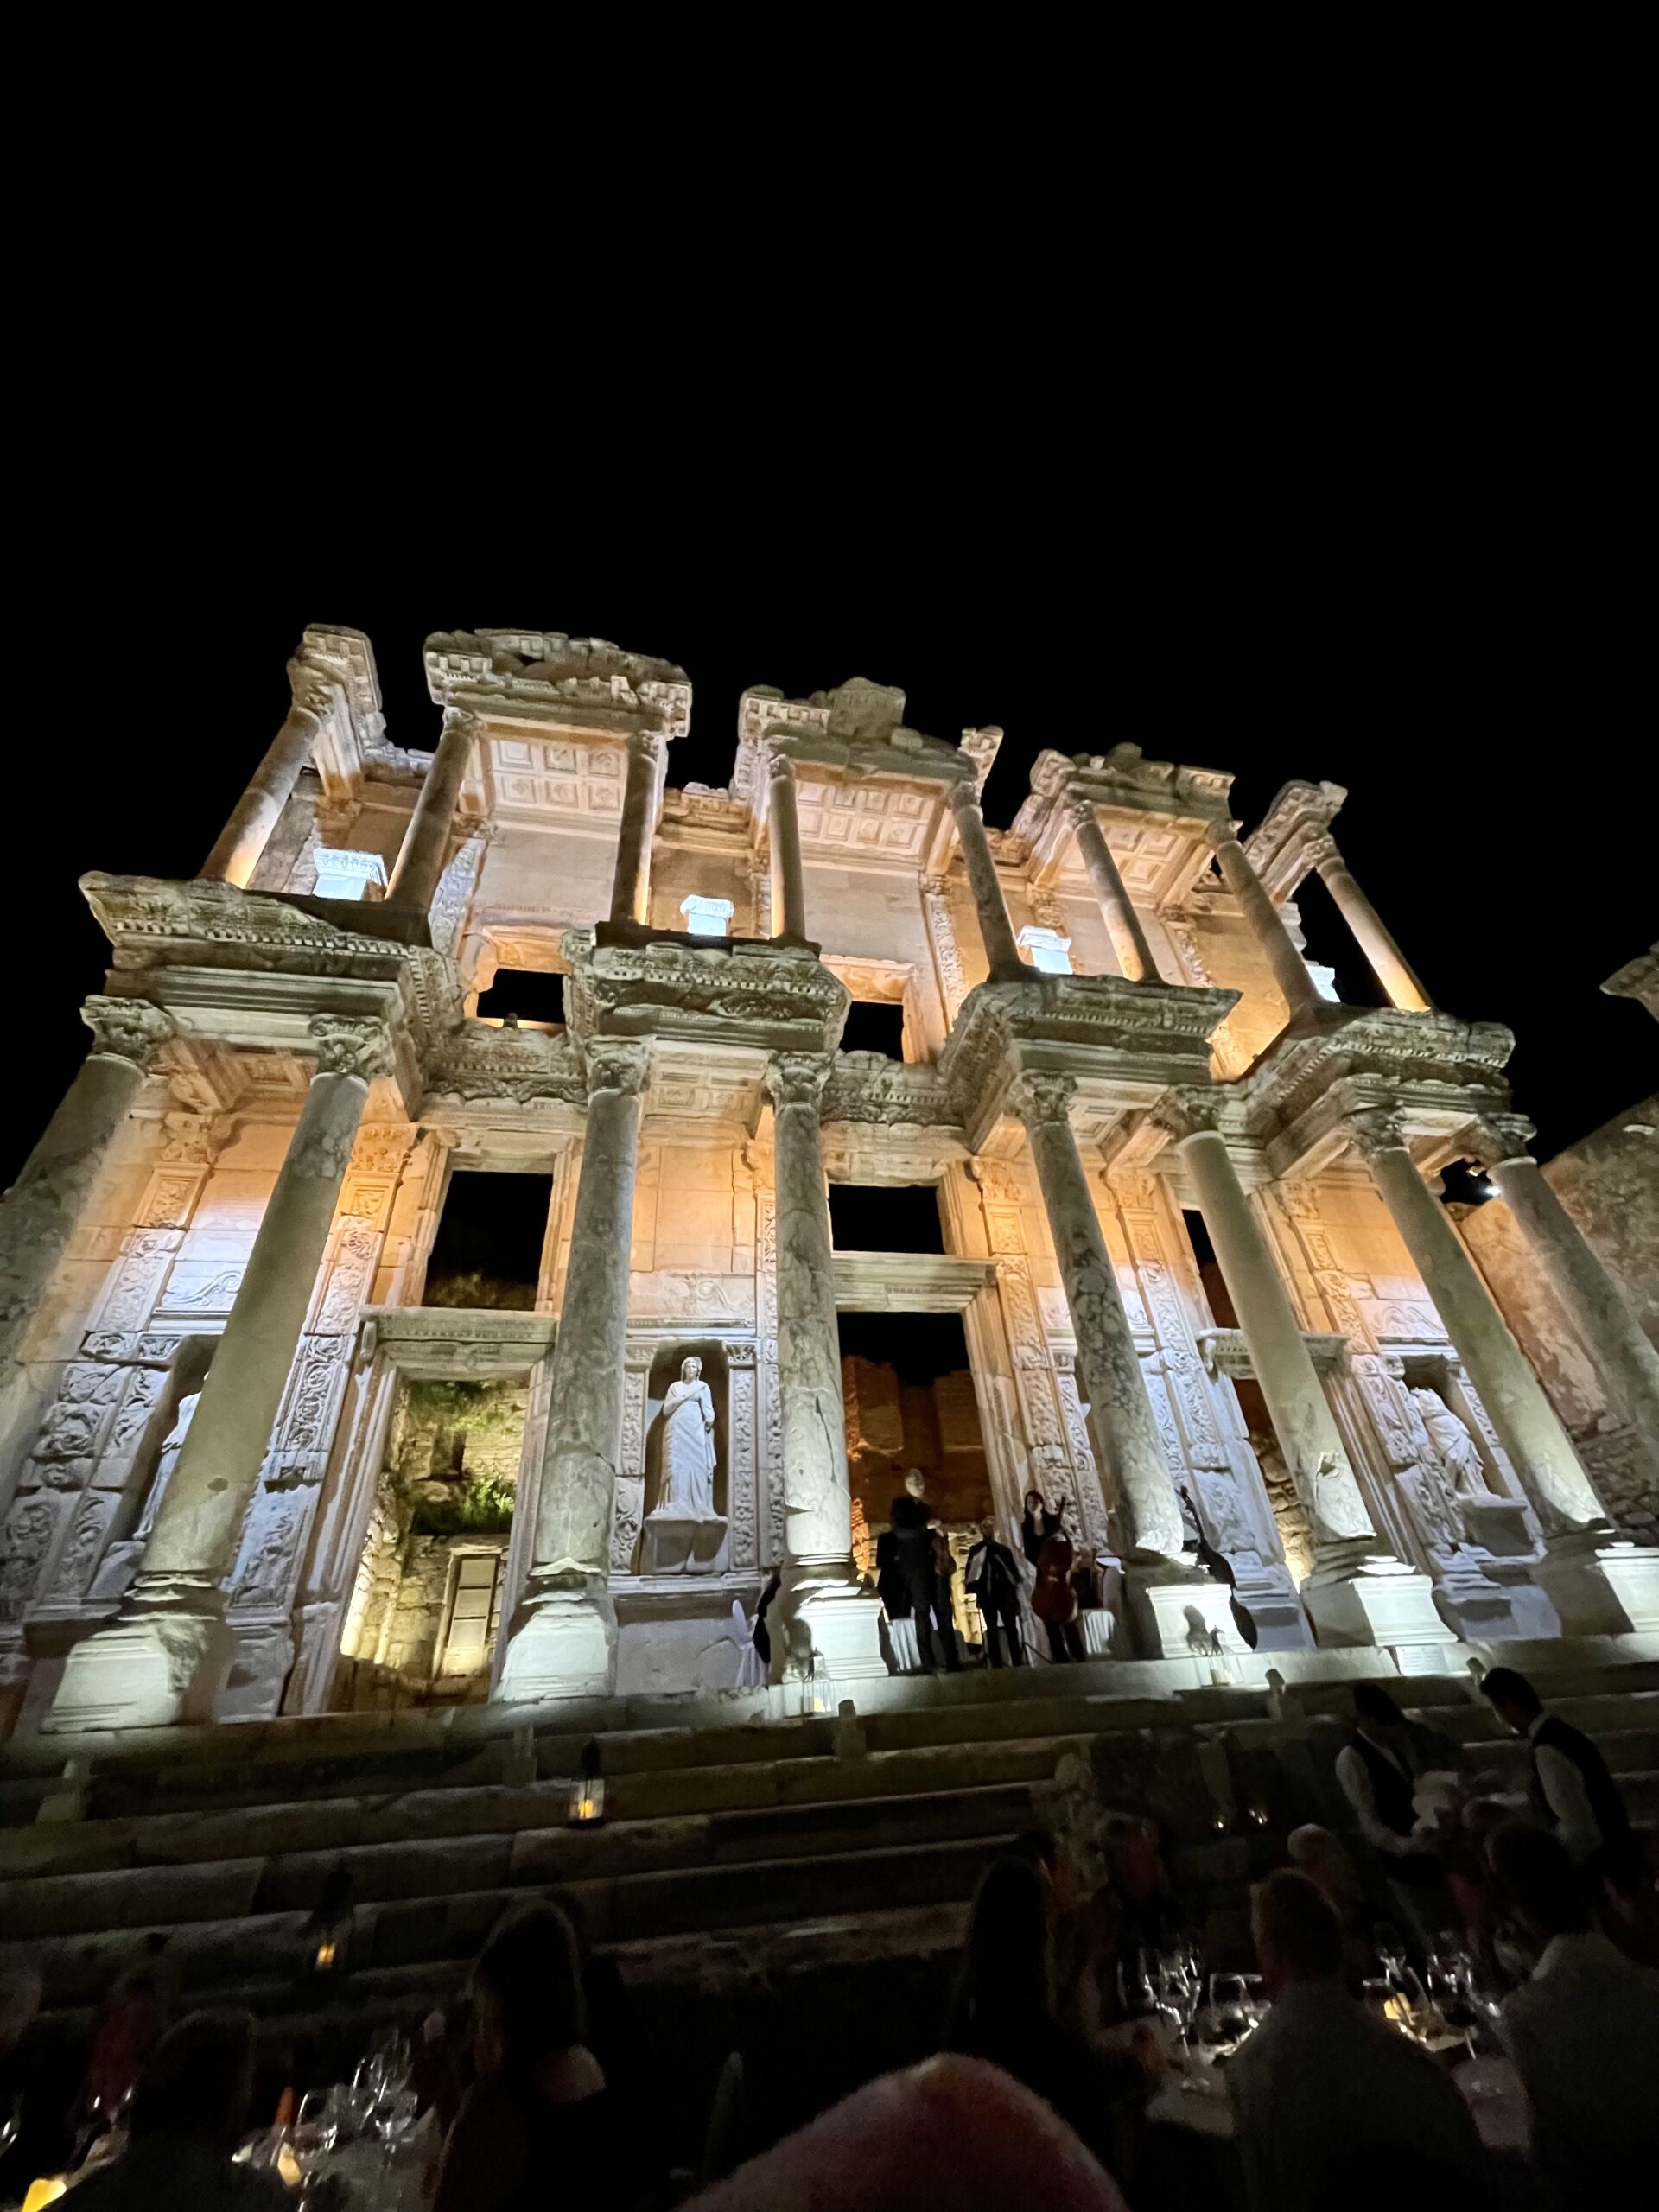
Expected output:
(780, 768)
(1499, 1137)
(796, 1079)
(1184, 1114)
(619, 1064)
(1373, 1130)
(1037, 1097)
(350, 1044)
(127, 1029)
(1321, 850)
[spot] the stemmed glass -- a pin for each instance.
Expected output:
(1179, 1987)
(315, 2130)
(1230, 2002)
(1136, 1988)
(1390, 1949)
(390, 2056)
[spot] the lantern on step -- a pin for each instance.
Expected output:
(587, 1791)
(327, 1935)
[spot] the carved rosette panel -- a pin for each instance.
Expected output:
(741, 1471)
(769, 1394)
(447, 916)
(630, 1508)
(947, 954)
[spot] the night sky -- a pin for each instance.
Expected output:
(1502, 781)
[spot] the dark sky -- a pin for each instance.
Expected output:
(1473, 681)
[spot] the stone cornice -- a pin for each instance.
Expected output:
(480, 1061)
(1136, 1037)
(867, 1087)
(545, 676)
(858, 727)
(334, 676)
(1638, 978)
(732, 992)
(1283, 847)
(1123, 778)
(439, 1341)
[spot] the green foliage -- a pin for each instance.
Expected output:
(479, 1505)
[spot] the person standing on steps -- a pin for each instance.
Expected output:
(911, 1520)
(1571, 1785)
(992, 1581)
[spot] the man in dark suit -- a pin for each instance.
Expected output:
(911, 1520)
(992, 1581)
(1571, 1784)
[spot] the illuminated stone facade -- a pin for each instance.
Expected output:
(239, 1195)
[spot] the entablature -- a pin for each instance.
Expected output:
(1278, 848)
(1154, 815)
(547, 676)
(446, 1343)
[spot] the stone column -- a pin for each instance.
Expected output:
(1358, 1593)
(996, 932)
(414, 879)
(630, 885)
(784, 832)
(1388, 964)
(1126, 1436)
(246, 835)
(1133, 953)
(163, 1657)
(821, 1588)
(1596, 1582)
(1289, 968)
(1612, 1333)
(562, 1640)
(41, 1210)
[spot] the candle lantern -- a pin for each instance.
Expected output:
(587, 1791)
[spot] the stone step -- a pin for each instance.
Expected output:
(336, 1823)
(270, 1950)
(431, 1867)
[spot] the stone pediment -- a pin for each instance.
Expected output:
(729, 992)
(549, 676)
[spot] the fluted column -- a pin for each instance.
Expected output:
(1612, 1333)
(1537, 1445)
(1300, 1413)
(41, 1210)
(414, 879)
(246, 835)
(1289, 968)
(630, 885)
(1108, 1367)
(562, 1640)
(1133, 953)
(821, 1586)
(996, 932)
(783, 836)
(163, 1657)
(1388, 964)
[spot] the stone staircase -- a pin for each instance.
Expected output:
(749, 1882)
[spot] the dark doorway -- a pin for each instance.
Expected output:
(488, 1249)
(874, 1026)
(909, 1394)
(528, 994)
(886, 1217)
(1217, 1295)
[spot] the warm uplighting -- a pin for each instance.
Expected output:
(323, 1958)
(47, 2190)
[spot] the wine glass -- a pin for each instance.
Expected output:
(1136, 1990)
(1387, 1942)
(1177, 1989)
(1230, 2002)
(394, 2121)
(315, 2130)
(389, 2050)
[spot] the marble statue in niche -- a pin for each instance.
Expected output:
(1454, 1447)
(172, 1444)
(689, 1447)
(683, 1534)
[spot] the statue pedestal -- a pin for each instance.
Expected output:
(1178, 1612)
(677, 1545)
(1498, 1525)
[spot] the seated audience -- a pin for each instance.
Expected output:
(1572, 1786)
(539, 2108)
(1004, 2011)
(189, 2111)
(1332, 2107)
(1583, 2031)
(1147, 1917)
(1377, 1772)
(1319, 1855)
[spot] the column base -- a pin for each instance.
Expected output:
(1600, 1584)
(1376, 1601)
(157, 1664)
(831, 1625)
(562, 1642)
(1178, 1615)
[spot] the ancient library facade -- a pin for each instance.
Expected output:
(513, 1203)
